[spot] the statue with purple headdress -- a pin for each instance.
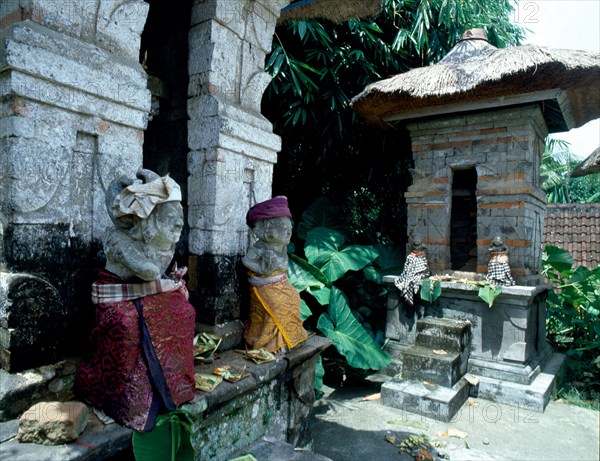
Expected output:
(274, 321)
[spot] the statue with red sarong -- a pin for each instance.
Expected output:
(142, 360)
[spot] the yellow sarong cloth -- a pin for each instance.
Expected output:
(274, 321)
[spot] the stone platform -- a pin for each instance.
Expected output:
(274, 402)
(431, 382)
(509, 357)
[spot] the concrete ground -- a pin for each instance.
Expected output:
(346, 427)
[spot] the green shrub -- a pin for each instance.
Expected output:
(341, 285)
(573, 321)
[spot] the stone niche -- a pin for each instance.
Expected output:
(73, 107)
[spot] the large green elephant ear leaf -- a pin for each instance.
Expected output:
(352, 258)
(303, 275)
(305, 311)
(168, 440)
(322, 213)
(321, 243)
(349, 337)
(324, 250)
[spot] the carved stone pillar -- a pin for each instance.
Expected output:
(74, 107)
(233, 148)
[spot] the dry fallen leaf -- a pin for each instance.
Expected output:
(440, 352)
(456, 433)
(392, 439)
(472, 403)
(410, 423)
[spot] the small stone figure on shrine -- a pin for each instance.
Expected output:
(498, 269)
(415, 269)
(274, 321)
(142, 360)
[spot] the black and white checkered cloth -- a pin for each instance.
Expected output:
(409, 282)
(499, 274)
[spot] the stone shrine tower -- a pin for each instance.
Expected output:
(478, 121)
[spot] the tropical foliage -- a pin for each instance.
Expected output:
(573, 323)
(318, 66)
(573, 304)
(168, 440)
(560, 187)
(340, 283)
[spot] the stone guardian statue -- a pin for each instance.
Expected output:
(274, 320)
(142, 360)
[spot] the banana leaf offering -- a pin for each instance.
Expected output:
(230, 373)
(206, 382)
(205, 345)
(259, 356)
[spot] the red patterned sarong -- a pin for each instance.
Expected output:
(274, 321)
(116, 378)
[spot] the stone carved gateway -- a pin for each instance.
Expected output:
(75, 101)
(76, 104)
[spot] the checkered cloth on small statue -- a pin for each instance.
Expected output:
(409, 282)
(499, 271)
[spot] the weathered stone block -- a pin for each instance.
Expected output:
(53, 423)
(443, 334)
(33, 321)
(20, 390)
(119, 26)
(67, 72)
(430, 400)
(217, 299)
(422, 364)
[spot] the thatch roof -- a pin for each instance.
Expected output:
(477, 75)
(590, 165)
(334, 10)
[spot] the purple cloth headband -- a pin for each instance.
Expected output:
(277, 207)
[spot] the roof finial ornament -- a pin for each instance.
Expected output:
(474, 34)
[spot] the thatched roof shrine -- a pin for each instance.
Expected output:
(590, 165)
(333, 10)
(475, 75)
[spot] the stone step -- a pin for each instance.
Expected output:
(444, 334)
(415, 397)
(423, 364)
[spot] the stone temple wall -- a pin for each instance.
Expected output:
(505, 148)
(73, 108)
(232, 146)
(75, 104)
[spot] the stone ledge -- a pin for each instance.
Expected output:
(259, 374)
(100, 441)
